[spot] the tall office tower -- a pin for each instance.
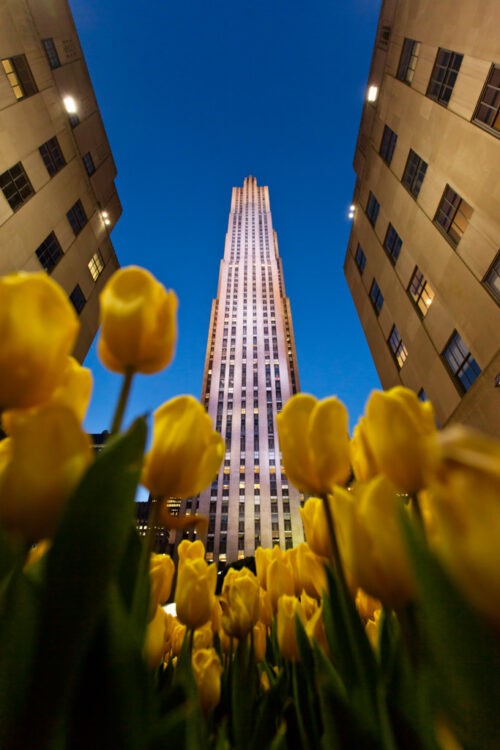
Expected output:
(423, 262)
(250, 372)
(58, 201)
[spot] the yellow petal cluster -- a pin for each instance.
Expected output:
(161, 575)
(207, 671)
(314, 441)
(289, 608)
(186, 452)
(195, 591)
(240, 602)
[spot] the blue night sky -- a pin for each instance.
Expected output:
(197, 95)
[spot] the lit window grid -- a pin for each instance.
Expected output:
(49, 252)
(19, 76)
(444, 75)
(397, 347)
(492, 278)
(414, 173)
(487, 112)
(420, 292)
(453, 215)
(408, 60)
(461, 363)
(392, 244)
(16, 186)
(96, 265)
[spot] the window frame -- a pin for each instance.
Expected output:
(360, 259)
(52, 155)
(49, 252)
(388, 144)
(51, 53)
(376, 297)
(450, 68)
(18, 186)
(409, 54)
(417, 289)
(21, 72)
(96, 265)
(392, 244)
(372, 209)
(77, 217)
(458, 207)
(397, 348)
(494, 271)
(78, 299)
(414, 173)
(464, 365)
(484, 124)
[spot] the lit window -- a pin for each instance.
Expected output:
(392, 243)
(96, 265)
(49, 252)
(461, 363)
(52, 156)
(51, 52)
(488, 108)
(420, 292)
(19, 75)
(492, 278)
(360, 259)
(414, 173)
(397, 347)
(77, 217)
(16, 186)
(408, 60)
(372, 209)
(388, 144)
(444, 75)
(376, 297)
(453, 215)
(77, 297)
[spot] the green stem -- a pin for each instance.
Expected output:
(296, 699)
(122, 402)
(191, 640)
(334, 544)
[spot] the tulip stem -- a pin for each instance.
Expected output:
(333, 541)
(122, 402)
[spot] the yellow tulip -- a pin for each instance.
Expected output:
(240, 602)
(38, 330)
(216, 618)
(363, 461)
(161, 575)
(314, 442)
(207, 671)
(265, 608)
(397, 426)
(315, 524)
(279, 580)
(138, 323)
(177, 635)
(372, 628)
(263, 557)
(308, 571)
(315, 630)
(195, 592)
(41, 464)
(309, 605)
(366, 605)
(204, 636)
(186, 452)
(188, 550)
(464, 499)
(259, 641)
(156, 642)
(288, 608)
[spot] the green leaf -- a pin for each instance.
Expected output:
(85, 556)
(269, 710)
(243, 693)
(463, 650)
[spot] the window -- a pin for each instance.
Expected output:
(77, 217)
(397, 347)
(420, 292)
(453, 215)
(414, 173)
(460, 362)
(19, 76)
(492, 278)
(360, 259)
(372, 209)
(49, 252)
(376, 297)
(422, 395)
(52, 156)
(388, 144)
(88, 163)
(96, 265)
(16, 186)
(443, 76)
(78, 298)
(51, 52)
(408, 60)
(488, 108)
(392, 243)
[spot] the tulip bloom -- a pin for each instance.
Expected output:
(240, 602)
(42, 463)
(288, 608)
(161, 574)
(397, 426)
(138, 323)
(315, 524)
(363, 461)
(279, 580)
(186, 452)
(38, 330)
(308, 571)
(314, 441)
(207, 671)
(195, 592)
(156, 642)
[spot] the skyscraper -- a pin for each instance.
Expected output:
(250, 372)
(423, 262)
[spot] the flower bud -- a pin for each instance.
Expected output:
(38, 327)
(207, 671)
(240, 602)
(188, 550)
(314, 441)
(138, 323)
(195, 592)
(161, 575)
(186, 452)
(288, 608)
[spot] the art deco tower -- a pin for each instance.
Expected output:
(250, 372)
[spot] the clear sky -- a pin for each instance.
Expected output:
(196, 95)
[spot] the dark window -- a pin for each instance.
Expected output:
(19, 76)
(77, 217)
(420, 292)
(408, 60)
(360, 259)
(422, 395)
(372, 209)
(16, 186)
(388, 144)
(74, 120)
(453, 215)
(492, 278)
(397, 347)
(50, 252)
(414, 173)
(443, 76)
(77, 297)
(89, 163)
(488, 108)
(51, 52)
(461, 363)
(392, 243)
(52, 156)
(376, 296)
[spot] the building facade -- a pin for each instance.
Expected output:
(58, 201)
(250, 372)
(423, 262)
